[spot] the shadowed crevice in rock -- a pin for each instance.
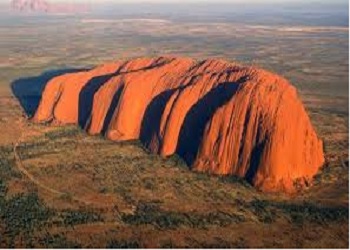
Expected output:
(87, 93)
(192, 129)
(254, 162)
(257, 149)
(111, 109)
(29, 90)
(160, 62)
(150, 125)
(86, 97)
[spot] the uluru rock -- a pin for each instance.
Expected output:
(220, 117)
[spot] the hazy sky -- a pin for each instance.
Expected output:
(197, 1)
(318, 3)
(213, 1)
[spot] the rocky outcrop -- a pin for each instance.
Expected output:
(220, 117)
(47, 7)
(32, 5)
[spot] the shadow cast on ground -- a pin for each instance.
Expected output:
(28, 90)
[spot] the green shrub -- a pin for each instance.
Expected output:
(123, 244)
(308, 212)
(56, 241)
(268, 211)
(150, 213)
(71, 218)
(263, 211)
(63, 132)
(23, 213)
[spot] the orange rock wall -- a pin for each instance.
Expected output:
(220, 117)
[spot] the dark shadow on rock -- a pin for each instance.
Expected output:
(111, 109)
(28, 90)
(254, 162)
(151, 120)
(86, 95)
(256, 151)
(192, 129)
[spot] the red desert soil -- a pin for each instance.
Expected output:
(220, 117)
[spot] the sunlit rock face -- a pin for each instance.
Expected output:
(220, 117)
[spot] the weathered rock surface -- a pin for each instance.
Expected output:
(220, 117)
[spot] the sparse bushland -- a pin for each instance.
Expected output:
(56, 241)
(73, 217)
(150, 213)
(20, 215)
(7, 161)
(64, 132)
(305, 212)
(142, 192)
(123, 244)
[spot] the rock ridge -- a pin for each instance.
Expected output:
(220, 117)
